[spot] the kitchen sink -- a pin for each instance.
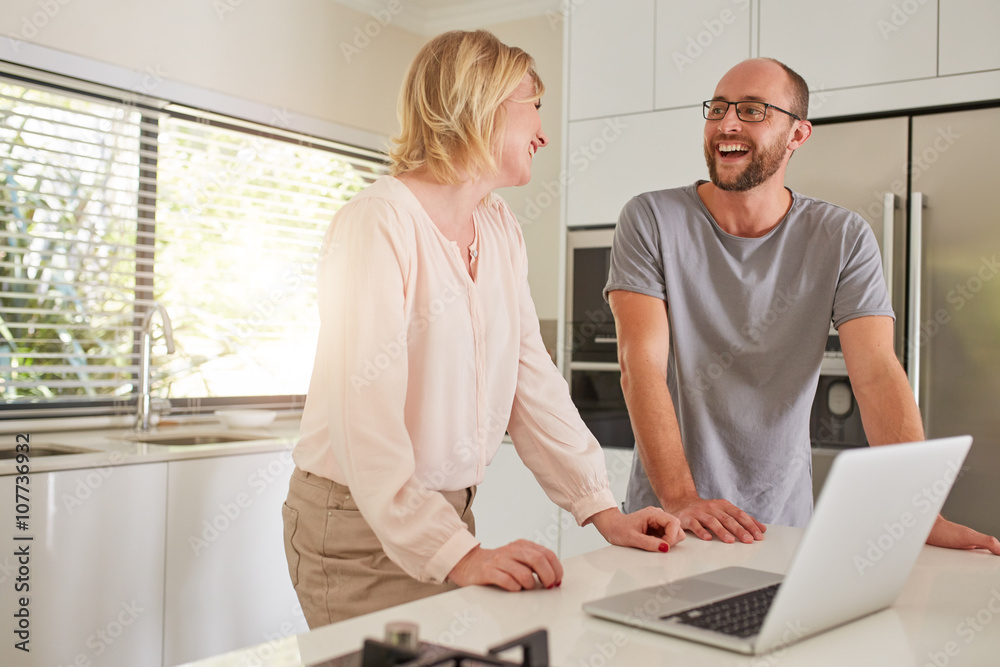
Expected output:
(43, 450)
(188, 439)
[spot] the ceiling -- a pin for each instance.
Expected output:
(431, 17)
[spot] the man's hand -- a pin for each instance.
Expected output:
(952, 535)
(726, 520)
(650, 528)
(513, 567)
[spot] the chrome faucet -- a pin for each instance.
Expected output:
(145, 350)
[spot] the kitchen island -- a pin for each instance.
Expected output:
(947, 614)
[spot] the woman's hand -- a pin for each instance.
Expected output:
(650, 528)
(513, 567)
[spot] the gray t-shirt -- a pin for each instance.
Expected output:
(749, 320)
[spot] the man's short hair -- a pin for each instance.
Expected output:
(450, 107)
(798, 89)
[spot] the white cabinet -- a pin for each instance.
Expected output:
(511, 505)
(696, 43)
(94, 567)
(968, 36)
(227, 583)
(852, 42)
(611, 56)
(613, 159)
(576, 540)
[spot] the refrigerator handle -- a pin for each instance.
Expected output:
(918, 202)
(888, 232)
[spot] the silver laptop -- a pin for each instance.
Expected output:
(875, 511)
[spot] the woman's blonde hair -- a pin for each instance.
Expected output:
(450, 107)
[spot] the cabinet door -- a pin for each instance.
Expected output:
(610, 58)
(511, 505)
(696, 43)
(968, 36)
(613, 159)
(227, 583)
(576, 540)
(94, 568)
(851, 42)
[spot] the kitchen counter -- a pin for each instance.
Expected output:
(120, 446)
(947, 614)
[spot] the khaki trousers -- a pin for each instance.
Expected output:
(336, 563)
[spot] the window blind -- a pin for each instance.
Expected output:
(107, 205)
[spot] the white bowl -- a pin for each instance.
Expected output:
(246, 418)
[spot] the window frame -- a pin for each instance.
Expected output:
(146, 195)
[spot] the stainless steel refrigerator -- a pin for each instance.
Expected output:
(926, 183)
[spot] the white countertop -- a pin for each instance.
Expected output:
(948, 614)
(118, 446)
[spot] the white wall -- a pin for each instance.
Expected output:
(287, 55)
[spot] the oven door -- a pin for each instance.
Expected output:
(592, 346)
(597, 393)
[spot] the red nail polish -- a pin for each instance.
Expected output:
(559, 583)
(550, 587)
(664, 547)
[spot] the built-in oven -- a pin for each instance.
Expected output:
(591, 345)
(835, 421)
(591, 354)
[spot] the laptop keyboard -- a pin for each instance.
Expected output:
(740, 616)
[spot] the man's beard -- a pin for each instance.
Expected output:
(763, 165)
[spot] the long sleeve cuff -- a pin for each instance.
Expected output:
(447, 557)
(588, 506)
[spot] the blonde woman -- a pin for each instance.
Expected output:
(429, 351)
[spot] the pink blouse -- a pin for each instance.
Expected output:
(420, 370)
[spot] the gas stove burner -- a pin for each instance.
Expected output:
(402, 648)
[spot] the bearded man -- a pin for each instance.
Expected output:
(723, 294)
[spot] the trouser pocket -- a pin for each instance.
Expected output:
(290, 519)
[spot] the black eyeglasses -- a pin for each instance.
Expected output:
(748, 112)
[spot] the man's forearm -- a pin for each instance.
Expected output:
(658, 437)
(888, 410)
